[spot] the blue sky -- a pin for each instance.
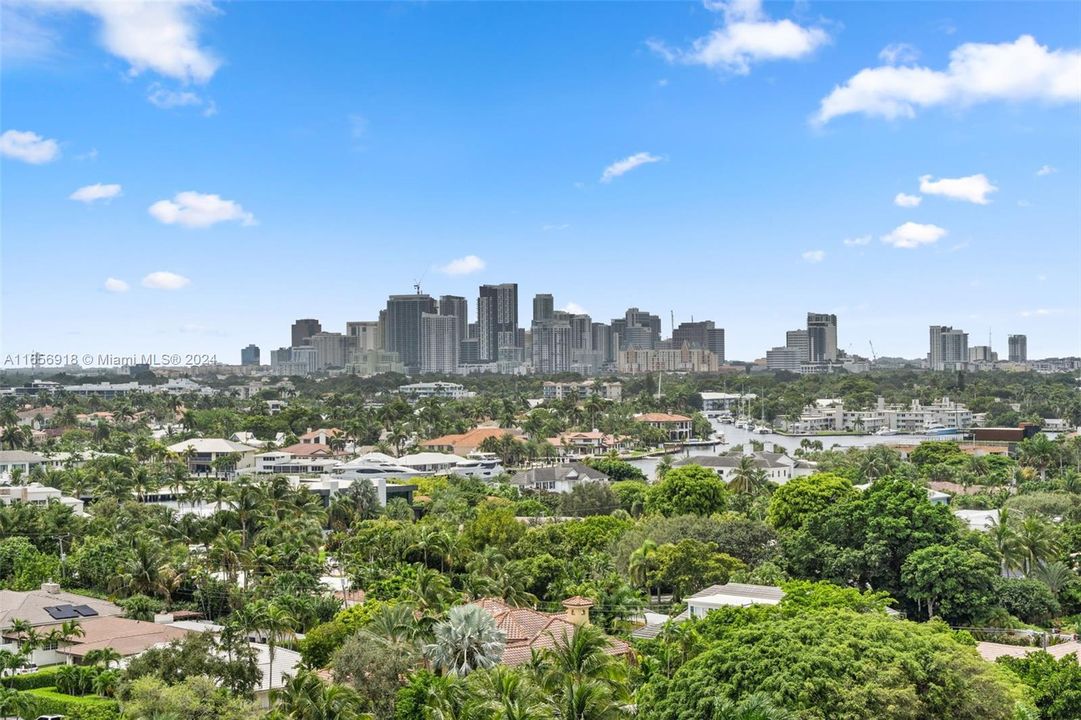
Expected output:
(284, 160)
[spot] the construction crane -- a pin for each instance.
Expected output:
(874, 358)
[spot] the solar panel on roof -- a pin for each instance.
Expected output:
(61, 612)
(85, 610)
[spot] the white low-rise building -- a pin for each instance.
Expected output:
(38, 494)
(559, 478)
(448, 390)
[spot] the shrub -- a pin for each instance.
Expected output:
(47, 701)
(40, 679)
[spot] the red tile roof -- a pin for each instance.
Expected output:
(656, 417)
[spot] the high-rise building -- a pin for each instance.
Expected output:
(602, 342)
(543, 306)
(329, 350)
(281, 355)
(497, 319)
(703, 334)
(249, 355)
(457, 306)
(303, 330)
(1018, 348)
(636, 329)
(982, 353)
(800, 341)
(949, 348)
(784, 358)
(439, 343)
(364, 335)
(822, 336)
(552, 344)
(401, 330)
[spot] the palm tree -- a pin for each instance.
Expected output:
(1006, 543)
(1039, 542)
(275, 624)
(103, 656)
(642, 564)
(747, 477)
(1056, 575)
(754, 707)
(16, 704)
(508, 695)
(467, 640)
(305, 697)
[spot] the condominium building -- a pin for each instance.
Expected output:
(543, 306)
(457, 306)
(497, 319)
(982, 354)
(449, 390)
(363, 335)
(684, 359)
(551, 352)
(439, 344)
(949, 348)
(401, 332)
(1018, 348)
(830, 415)
(329, 350)
(703, 334)
(578, 390)
(637, 329)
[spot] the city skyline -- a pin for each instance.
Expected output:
(630, 168)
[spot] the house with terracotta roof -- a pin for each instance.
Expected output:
(594, 442)
(678, 427)
(322, 436)
(467, 442)
(527, 630)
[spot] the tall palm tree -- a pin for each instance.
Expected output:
(642, 564)
(1006, 542)
(305, 697)
(1039, 542)
(467, 640)
(275, 624)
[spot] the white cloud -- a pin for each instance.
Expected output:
(163, 280)
(97, 191)
(558, 227)
(621, 167)
(165, 98)
(1040, 312)
(28, 147)
(977, 72)
(199, 210)
(899, 54)
(574, 309)
(162, 37)
(1046, 170)
(912, 235)
(907, 201)
(748, 36)
(857, 241)
(814, 256)
(972, 188)
(463, 266)
(115, 286)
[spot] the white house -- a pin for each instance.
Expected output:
(202, 452)
(558, 479)
(38, 494)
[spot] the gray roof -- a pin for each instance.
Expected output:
(755, 592)
(761, 460)
(558, 472)
(20, 456)
(30, 606)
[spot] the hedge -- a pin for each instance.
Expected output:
(42, 678)
(47, 701)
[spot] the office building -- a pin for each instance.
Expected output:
(303, 330)
(784, 358)
(949, 348)
(249, 355)
(551, 350)
(329, 350)
(497, 319)
(703, 334)
(543, 307)
(401, 331)
(799, 341)
(822, 337)
(982, 354)
(636, 361)
(439, 343)
(1018, 348)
